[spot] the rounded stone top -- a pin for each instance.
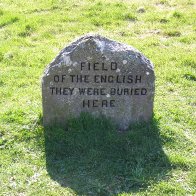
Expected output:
(94, 44)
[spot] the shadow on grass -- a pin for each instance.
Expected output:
(92, 158)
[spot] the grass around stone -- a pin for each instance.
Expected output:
(91, 157)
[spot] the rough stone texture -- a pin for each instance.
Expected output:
(113, 66)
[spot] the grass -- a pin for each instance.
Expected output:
(91, 157)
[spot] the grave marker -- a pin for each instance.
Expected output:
(100, 76)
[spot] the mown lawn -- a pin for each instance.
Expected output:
(90, 157)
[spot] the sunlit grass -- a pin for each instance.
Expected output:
(91, 157)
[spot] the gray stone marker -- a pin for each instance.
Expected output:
(100, 76)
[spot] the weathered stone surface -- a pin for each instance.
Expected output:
(100, 76)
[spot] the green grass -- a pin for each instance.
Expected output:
(91, 157)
